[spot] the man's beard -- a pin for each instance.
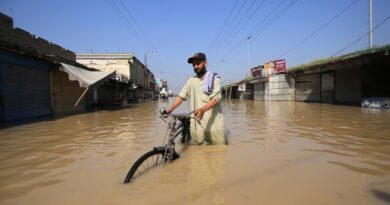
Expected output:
(200, 72)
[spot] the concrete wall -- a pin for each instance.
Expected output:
(26, 41)
(278, 88)
(65, 93)
(137, 72)
(348, 85)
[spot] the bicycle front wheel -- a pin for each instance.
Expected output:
(146, 162)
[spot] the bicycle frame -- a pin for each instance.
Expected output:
(177, 124)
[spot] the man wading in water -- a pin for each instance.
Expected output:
(204, 93)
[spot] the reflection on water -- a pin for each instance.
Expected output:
(279, 153)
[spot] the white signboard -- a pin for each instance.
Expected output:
(241, 87)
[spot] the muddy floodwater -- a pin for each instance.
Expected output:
(279, 153)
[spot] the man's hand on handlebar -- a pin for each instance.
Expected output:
(165, 112)
(169, 110)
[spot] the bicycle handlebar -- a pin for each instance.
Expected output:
(165, 114)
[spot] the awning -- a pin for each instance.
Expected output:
(85, 77)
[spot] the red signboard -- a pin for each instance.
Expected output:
(256, 71)
(280, 66)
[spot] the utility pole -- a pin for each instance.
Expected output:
(248, 39)
(222, 68)
(370, 36)
(146, 59)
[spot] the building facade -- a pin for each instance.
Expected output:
(137, 82)
(33, 80)
(358, 78)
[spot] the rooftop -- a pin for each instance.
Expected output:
(332, 60)
(104, 55)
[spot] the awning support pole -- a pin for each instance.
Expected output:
(81, 97)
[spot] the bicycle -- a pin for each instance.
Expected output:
(178, 124)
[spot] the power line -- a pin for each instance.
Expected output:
(136, 24)
(127, 23)
(361, 37)
(233, 21)
(243, 25)
(141, 31)
(319, 29)
(224, 24)
(276, 17)
(268, 21)
(240, 43)
(229, 35)
(140, 36)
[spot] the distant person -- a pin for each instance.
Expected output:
(204, 92)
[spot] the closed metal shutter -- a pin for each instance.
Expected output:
(25, 91)
(259, 91)
(308, 88)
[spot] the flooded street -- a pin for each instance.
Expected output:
(279, 153)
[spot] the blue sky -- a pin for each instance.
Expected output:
(175, 29)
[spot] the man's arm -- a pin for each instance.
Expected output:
(175, 104)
